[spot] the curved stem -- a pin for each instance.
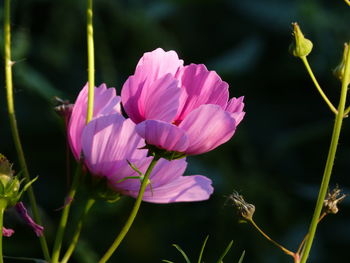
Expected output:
(91, 60)
(330, 160)
(90, 202)
(132, 215)
(307, 235)
(285, 250)
(13, 123)
(64, 217)
(3, 205)
(318, 87)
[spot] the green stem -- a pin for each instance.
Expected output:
(3, 205)
(285, 250)
(13, 122)
(330, 160)
(348, 2)
(76, 235)
(132, 215)
(318, 87)
(64, 217)
(91, 60)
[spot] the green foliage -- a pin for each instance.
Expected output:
(220, 260)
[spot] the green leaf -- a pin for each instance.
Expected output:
(241, 258)
(167, 261)
(202, 250)
(225, 252)
(182, 252)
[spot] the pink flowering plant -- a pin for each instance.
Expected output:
(137, 144)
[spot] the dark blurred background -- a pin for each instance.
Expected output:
(275, 160)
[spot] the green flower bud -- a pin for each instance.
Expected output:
(339, 71)
(301, 46)
(10, 184)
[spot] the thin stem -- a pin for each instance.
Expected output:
(91, 60)
(90, 202)
(330, 160)
(347, 111)
(13, 123)
(307, 235)
(64, 217)
(318, 87)
(285, 250)
(3, 205)
(132, 215)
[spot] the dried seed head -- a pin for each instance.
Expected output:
(330, 204)
(244, 209)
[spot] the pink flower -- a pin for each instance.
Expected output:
(180, 108)
(105, 102)
(109, 141)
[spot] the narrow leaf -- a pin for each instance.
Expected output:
(202, 250)
(242, 257)
(225, 252)
(182, 252)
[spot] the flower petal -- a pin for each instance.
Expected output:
(207, 127)
(168, 184)
(199, 87)
(163, 135)
(183, 189)
(105, 102)
(152, 86)
(235, 107)
(107, 141)
(161, 99)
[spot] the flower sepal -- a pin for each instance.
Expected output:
(101, 190)
(162, 153)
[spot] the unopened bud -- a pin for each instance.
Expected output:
(339, 71)
(244, 209)
(330, 204)
(301, 46)
(10, 184)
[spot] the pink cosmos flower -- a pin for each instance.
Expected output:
(105, 102)
(110, 140)
(180, 108)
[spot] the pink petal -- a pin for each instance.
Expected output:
(161, 99)
(7, 232)
(163, 135)
(142, 91)
(235, 107)
(124, 170)
(199, 87)
(168, 184)
(105, 102)
(183, 189)
(107, 141)
(22, 211)
(207, 127)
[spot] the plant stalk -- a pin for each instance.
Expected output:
(330, 161)
(76, 235)
(13, 123)
(132, 215)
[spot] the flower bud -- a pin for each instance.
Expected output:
(339, 71)
(10, 184)
(244, 209)
(301, 46)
